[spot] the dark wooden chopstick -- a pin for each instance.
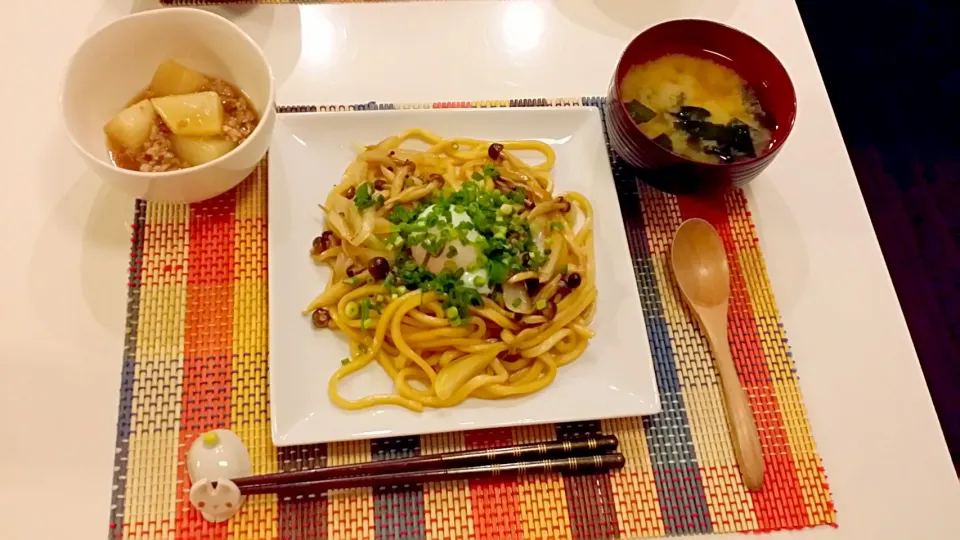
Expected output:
(469, 458)
(576, 465)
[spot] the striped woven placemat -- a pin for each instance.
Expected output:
(196, 359)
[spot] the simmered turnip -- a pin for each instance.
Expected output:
(131, 128)
(199, 150)
(191, 114)
(173, 78)
(516, 298)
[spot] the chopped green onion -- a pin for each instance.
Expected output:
(364, 313)
(541, 303)
(452, 313)
(556, 226)
(516, 196)
(345, 361)
(352, 310)
(479, 281)
(476, 177)
(363, 198)
(506, 209)
(515, 303)
(496, 272)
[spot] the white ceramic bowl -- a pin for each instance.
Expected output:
(118, 61)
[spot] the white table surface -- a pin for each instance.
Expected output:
(64, 237)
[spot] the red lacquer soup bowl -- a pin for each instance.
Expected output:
(755, 64)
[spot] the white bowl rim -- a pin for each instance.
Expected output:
(144, 15)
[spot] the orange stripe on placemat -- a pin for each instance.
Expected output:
(208, 340)
(780, 504)
(495, 502)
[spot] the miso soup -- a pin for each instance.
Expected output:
(696, 108)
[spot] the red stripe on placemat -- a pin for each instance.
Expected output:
(495, 503)
(780, 504)
(208, 343)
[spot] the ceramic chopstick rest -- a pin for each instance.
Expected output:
(213, 460)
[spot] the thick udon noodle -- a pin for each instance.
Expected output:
(492, 355)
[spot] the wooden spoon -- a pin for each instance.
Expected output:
(700, 266)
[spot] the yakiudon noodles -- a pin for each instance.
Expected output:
(455, 269)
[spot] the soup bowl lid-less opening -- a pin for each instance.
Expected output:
(118, 61)
(752, 61)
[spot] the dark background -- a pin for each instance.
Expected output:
(892, 70)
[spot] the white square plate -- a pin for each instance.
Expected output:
(613, 378)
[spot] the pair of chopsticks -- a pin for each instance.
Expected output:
(591, 455)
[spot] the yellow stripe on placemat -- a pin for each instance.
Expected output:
(350, 511)
(249, 406)
(634, 488)
(486, 104)
(543, 504)
(446, 505)
(155, 408)
(152, 488)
